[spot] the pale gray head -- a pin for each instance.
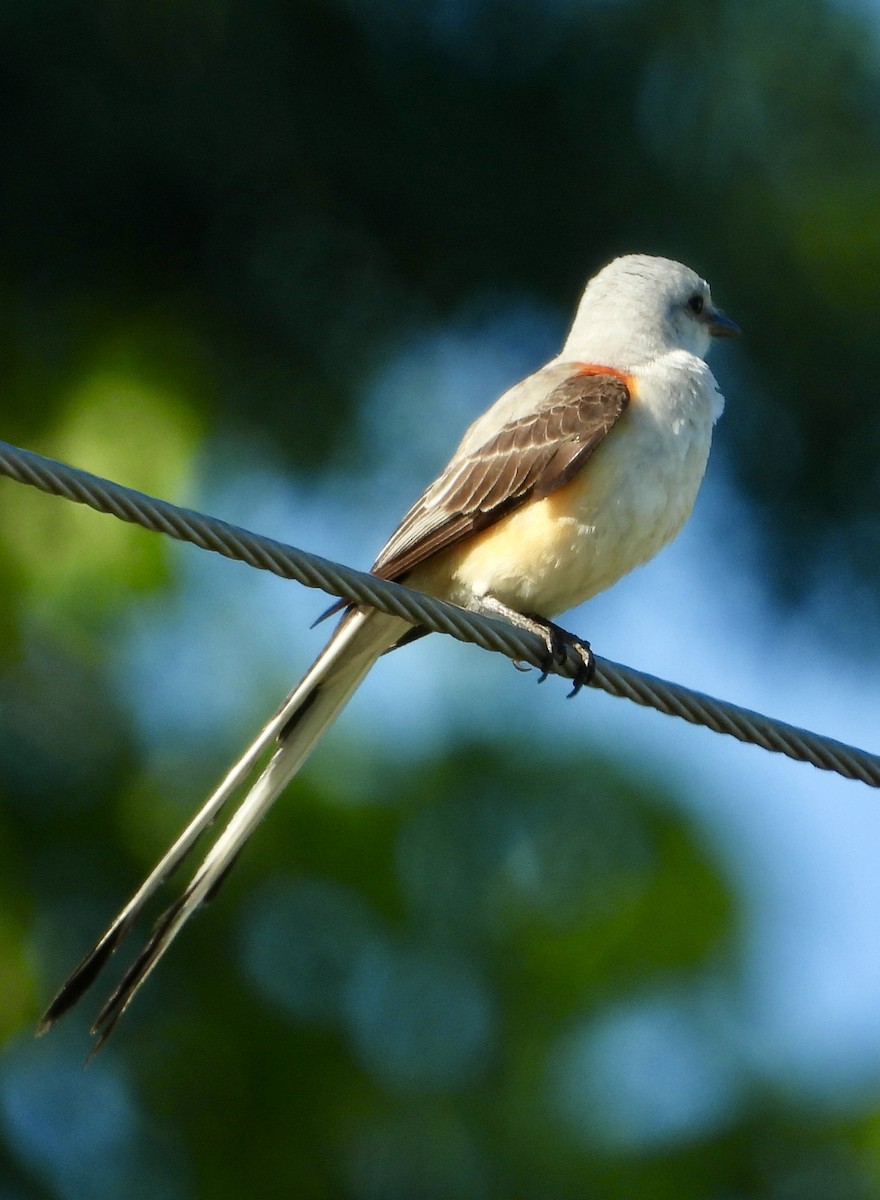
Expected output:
(639, 308)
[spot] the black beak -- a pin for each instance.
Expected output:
(721, 326)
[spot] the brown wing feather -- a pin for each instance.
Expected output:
(528, 458)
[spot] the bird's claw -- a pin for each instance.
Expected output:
(559, 641)
(587, 669)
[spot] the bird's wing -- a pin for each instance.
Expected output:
(529, 457)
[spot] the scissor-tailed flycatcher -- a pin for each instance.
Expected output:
(576, 475)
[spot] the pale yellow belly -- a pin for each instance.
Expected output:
(629, 500)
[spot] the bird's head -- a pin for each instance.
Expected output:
(639, 307)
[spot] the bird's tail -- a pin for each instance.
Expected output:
(361, 637)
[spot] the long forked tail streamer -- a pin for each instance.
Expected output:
(360, 639)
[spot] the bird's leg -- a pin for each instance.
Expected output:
(557, 640)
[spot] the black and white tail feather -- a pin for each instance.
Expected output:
(361, 637)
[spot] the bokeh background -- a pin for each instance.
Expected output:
(269, 259)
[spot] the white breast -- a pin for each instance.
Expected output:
(631, 498)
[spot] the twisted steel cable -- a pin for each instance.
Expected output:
(490, 633)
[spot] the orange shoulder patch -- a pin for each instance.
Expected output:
(629, 381)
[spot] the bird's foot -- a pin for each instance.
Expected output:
(557, 640)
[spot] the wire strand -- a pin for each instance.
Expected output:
(490, 633)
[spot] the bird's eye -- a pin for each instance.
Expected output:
(695, 304)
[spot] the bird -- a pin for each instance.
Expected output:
(576, 475)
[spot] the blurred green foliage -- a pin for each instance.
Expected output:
(216, 220)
